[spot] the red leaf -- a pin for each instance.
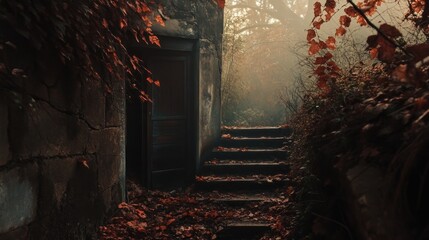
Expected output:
(330, 4)
(310, 34)
(105, 23)
(361, 20)
(345, 21)
(330, 42)
(154, 40)
(372, 41)
(322, 45)
(340, 31)
(317, 9)
(320, 70)
(221, 3)
(351, 11)
(314, 47)
(123, 23)
(373, 53)
(318, 23)
(159, 20)
(390, 31)
(320, 60)
(157, 83)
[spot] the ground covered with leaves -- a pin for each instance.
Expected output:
(182, 214)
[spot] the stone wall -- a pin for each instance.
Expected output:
(61, 154)
(201, 20)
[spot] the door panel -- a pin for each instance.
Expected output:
(169, 152)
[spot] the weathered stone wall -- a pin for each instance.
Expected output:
(61, 155)
(201, 20)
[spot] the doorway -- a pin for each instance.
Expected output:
(161, 136)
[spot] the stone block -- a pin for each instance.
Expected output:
(115, 106)
(18, 197)
(4, 136)
(66, 94)
(46, 132)
(109, 168)
(93, 103)
(106, 142)
(55, 176)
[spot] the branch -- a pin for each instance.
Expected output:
(390, 40)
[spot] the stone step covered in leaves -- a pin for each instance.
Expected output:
(229, 168)
(257, 132)
(234, 153)
(209, 183)
(249, 170)
(243, 230)
(261, 142)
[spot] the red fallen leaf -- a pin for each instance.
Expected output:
(170, 221)
(310, 34)
(330, 42)
(157, 83)
(317, 9)
(345, 20)
(340, 31)
(226, 136)
(122, 205)
(137, 225)
(390, 31)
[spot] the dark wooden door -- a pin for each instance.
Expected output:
(170, 154)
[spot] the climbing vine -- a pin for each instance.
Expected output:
(86, 34)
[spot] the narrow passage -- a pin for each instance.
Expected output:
(242, 193)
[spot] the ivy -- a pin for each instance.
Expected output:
(86, 34)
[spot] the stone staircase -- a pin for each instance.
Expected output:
(251, 164)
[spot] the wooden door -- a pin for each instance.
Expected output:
(170, 149)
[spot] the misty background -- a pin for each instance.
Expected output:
(266, 66)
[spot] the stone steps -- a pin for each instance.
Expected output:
(244, 184)
(232, 153)
(226, 168)
(258, 132)
(244, 169)
(243, 230)
(245, 142)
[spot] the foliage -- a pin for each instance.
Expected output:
(384, 45)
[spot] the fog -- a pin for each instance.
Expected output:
(266, 67)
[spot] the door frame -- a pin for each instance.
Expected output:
(179, 45)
